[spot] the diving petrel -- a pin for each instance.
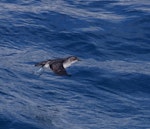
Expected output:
(58, 65)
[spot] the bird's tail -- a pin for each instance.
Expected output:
(41, 63)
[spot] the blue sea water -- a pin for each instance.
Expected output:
(108, 89)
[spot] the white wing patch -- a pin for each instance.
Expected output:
(46, 65)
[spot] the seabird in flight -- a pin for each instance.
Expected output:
(58, 66)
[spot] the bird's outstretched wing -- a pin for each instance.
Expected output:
(58, 68)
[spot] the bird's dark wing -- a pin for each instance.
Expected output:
(58, 68)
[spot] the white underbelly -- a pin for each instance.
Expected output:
(65, 65)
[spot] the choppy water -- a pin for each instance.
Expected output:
(108, 89)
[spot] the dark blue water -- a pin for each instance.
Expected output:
(108, 89)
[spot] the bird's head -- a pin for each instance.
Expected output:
(73, 59)
(70, 60)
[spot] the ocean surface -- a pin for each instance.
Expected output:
(108, 89)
